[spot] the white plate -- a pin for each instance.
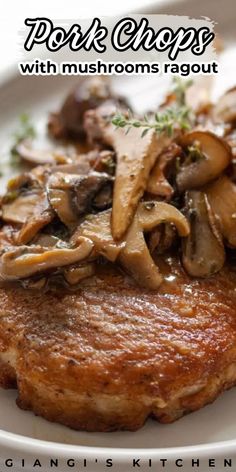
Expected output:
(210, 432)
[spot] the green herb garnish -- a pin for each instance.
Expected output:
(179, 88)
(163, 122)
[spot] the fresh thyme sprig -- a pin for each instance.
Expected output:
(179, 88)
(25, 131)
(165, 121)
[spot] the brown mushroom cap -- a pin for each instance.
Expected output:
(19, 207)
(71, 195)
(61, 199)
(215, 156)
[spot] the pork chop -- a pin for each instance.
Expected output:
(111, 354)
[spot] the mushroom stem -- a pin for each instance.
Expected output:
(203, 249)
(137, 260)
(135, 256)
(157, 182)
(222, 198)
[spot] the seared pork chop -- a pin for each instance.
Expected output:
(111, 354)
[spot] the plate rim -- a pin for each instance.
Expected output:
(19, 442)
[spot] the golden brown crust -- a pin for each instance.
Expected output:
(7, 376)
(111, 354)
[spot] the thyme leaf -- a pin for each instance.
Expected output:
(179, 88)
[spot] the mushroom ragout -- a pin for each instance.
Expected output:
(145, 187)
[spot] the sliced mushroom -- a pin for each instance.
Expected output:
(105, 162)
(24, 181)
(34, 284)
(135, 157)
(151, 214)
(80, 168)
(24, 206)
(211, 156)
(40, 174)
(132, 252)
(135, 257)
(40, 156)
(157, 182)
(74, 275)
(98, 229)
(71, 195)
(222, 198)
(19, 207)
(103, 200)
(225, 109)
(203, 249)
(63, 204)
(24, 261)
(95, 160)
(88, 189)
(34, 225)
